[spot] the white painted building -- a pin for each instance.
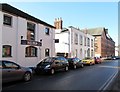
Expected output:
(73, 42)
(24, 39)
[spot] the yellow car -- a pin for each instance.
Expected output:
(88, 61)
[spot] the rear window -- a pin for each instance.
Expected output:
(70, 59)
(87, 58)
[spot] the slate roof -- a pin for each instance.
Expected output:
(12, 10)
(97, 32)
(94, 31)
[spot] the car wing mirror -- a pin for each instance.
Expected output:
(18, 67)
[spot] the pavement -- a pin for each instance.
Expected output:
(115, 86)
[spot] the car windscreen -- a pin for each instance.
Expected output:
(46, 61)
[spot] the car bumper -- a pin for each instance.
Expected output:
(39, 70)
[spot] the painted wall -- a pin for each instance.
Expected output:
(11, 35)
(73, 49)
(1, 22)
(63, 45)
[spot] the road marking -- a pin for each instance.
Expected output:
(106, 84)
(26, 82)
(111, 67)
(9, 86)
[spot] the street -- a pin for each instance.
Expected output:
(94, 77)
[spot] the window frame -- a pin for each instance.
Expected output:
(8, 46)
(47, 54)
(28, 51)
(30, 36)
(47, 31)
(76, 39)
(6, 23)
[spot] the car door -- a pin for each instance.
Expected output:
(77, 61)
(63, 62)
(11, 71)
(1, 70)
(57, 63)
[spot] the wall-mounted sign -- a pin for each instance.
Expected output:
(29, 42)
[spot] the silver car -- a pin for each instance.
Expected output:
(11, 71)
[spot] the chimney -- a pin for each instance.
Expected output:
(58, 23)
(106, 30)
(85, 31)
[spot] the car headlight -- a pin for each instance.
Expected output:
(47, 66)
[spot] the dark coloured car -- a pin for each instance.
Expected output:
(115, 57)
(52, 64)
(12, 72)
(97, 60)
(109, 58)
(75, 63)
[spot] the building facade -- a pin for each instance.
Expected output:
(104, 44)
(73, 42)
(25, 39)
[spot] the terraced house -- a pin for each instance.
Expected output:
(72, 41)
(24, 39)
(104, 44)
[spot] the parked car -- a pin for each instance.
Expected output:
(75, 62)
(52, 64)
(12, 72)
(88, 61)
(97, 60)
(115, 57)
(109, 58)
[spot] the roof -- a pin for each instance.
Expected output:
(98, 32)
(64, 30)
(94, 31)
(12, 10)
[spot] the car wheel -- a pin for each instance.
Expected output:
(52, 71)
(27, 76)
(82, 65)
(74, 66)
(66, 68)
(90, 63)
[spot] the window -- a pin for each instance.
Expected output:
(11, 65)
(92, 53)
(76, 38)
(76, 53)
(7, 20)
(31, 51)
(85, 41)
(47, 31)
(81, 40)
(88, 42)
(30, 26)
(30, 31)
(88, 53)
(47, 52)
(72, 37)
(6, 51)
(91, 42)
(81, 52)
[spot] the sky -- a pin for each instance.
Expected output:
(77, 14)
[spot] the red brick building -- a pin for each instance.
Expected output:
(104, 44)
